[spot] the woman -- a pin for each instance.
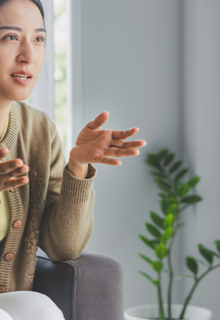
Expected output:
(44, 201)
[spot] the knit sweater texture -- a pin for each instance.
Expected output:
(53, 211)
(4, 203)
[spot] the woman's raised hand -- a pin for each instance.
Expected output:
(96, 146)
(11, 169)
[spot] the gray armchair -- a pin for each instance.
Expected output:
(88, 288)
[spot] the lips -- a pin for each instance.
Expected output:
(22, 72)
(22, 82)
(18, 76)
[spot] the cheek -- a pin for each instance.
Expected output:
(6, 60)
(40, 59)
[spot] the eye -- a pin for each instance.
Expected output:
(42, 39)
(9, 36)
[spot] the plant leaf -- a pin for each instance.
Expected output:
(162, 154)
(185, 276)
(202, 262)
(156, 165)
(167, 234)
(161, 251)
(163, 185)
(154, 231)
(193, 181)
(217, 243)
(181, 174)
(157, 265)
(151, 158)
(157, 219)
(173, 209)
(192, 264)
(162, 195)
(183, 190)
(149, 243)
(191, 199)
(156, 282)
(166, 202)
(213, 253)
(145, 275)
(168, 159)
(172, 200)
(152, 161)
(145, 258)
(163, 205)
(159, 174)
(204, 252)
(168, 221)
(175, 166)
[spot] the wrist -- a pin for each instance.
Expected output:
(78, 170)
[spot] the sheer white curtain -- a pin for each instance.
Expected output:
(43, 95)
(43, 92)
(75, 73)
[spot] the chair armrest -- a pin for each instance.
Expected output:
(88, 288)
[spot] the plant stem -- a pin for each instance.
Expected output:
(169, 295)
(193, 289)
(161, 311)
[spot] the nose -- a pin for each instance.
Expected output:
(26, 52)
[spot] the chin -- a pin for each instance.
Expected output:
(20, 97)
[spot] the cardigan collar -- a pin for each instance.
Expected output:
(11, 136)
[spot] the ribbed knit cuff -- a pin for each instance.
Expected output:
(77, 190)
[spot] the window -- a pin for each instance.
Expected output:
(50, 91)
(60, 50)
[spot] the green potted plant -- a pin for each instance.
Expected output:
(175, 197)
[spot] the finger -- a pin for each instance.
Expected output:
(98, 121)
(130, 144)
(120, 134)
(3, 152)
(8, 180)
(14, 183)
(8, 166)
(116, 152)
(106, 160)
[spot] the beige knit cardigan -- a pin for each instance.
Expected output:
(53, 211)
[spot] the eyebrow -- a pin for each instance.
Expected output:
(19, 29)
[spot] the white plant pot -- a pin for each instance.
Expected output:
(149, 312)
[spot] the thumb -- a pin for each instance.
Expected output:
(99, 120)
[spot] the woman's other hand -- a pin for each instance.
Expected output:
(97, 146)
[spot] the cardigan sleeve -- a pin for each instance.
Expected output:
(67, 220)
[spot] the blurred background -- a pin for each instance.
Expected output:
(156, 65)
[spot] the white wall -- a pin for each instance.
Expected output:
(154, 64)
(201, 136)
(131, 52)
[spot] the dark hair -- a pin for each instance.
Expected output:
(37, 2)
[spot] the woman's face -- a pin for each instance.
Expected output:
(20, 50)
